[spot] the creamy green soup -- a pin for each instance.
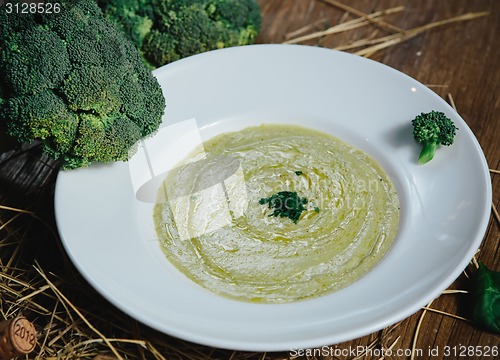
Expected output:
(214, 230)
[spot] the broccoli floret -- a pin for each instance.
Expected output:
(134, 17)
(18, 56)
(241, 16)
(431, 130)
(110, 137)
(74, 82)
(193, 30)
(167, 30)
(160, 48)
(42, 116)
(101, 96)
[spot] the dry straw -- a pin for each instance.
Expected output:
(73, 321)
(367, 47)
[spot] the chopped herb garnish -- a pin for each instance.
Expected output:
(286, 204)
(316, 209)
(298, 173)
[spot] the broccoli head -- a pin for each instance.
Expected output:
(167, 30)
(75, 83)
(431, 130)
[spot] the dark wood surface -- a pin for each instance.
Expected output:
(461, 59)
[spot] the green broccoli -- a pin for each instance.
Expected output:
(168, 30)
(133, 17)
(431, 130)
(286, 204)
(74, 82)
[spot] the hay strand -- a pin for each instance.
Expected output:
(452, 102)
(346, 26)
(370, 46)
(494, 210)
(65, 301)
(447, 292)
(386, 41)
(417, 330)
(427, 308)
(367, 17)
(305, 29)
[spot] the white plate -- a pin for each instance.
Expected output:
(107, 229)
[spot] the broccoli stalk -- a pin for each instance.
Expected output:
(72, 81)
(432, 130)
(428, 151)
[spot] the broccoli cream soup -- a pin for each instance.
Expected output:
(276, 213)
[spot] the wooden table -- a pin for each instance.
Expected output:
(459, 61)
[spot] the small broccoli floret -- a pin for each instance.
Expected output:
(167, 30)
(74, 82)
(431, 130)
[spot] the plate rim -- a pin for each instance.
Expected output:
(281, 346)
